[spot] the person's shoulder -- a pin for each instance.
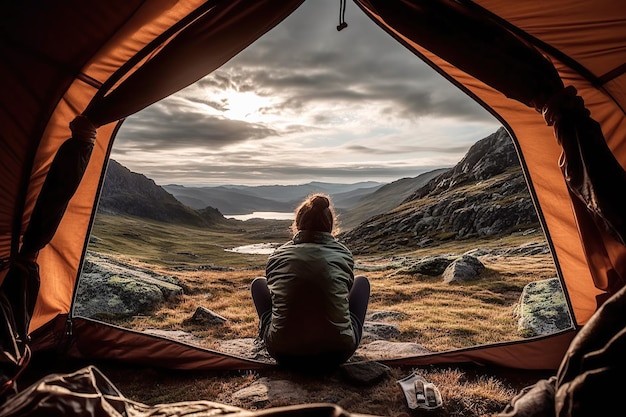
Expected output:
(282, 248)
(341, 246)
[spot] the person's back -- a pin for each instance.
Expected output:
(310, 316)
(310, 280)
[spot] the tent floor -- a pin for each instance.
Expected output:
(156, 385)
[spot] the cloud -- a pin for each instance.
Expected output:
(160, 126)
(307, 102)
(403, 150)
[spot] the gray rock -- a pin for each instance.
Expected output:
(430, 265)
(108, 288)
(364, 373)
(205, 316)
(378, 315)
(115, 296)
(542, 309)
(462, 269)
(377, 331)
(382, 349)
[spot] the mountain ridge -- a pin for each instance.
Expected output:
(129, 193)
(484, 195)
(246, 199)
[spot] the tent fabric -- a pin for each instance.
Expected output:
(72, 58)
(583, 385)
(140, 348)
(536, 142)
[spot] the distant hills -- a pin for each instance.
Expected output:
(241, 199)
(484, 195)
(383, 199)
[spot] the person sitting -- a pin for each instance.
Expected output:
(310, 305)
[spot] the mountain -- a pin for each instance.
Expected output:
(484, 195)
(228, 200)
(383, 199)
(129, 193)
(297, 193)
(243, 199)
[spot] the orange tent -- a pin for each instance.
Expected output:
(552, 72)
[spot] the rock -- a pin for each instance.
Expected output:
(464, 268)
(542, 309)
(377, 315)
(114, 296)
(382, 349)
(203, 315)
(364, 373)
(248, 348)
(108, 288)
(376, 331)
(430, 265)
(264, 390)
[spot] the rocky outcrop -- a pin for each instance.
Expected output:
(484, 195)
(542, 309)
(111, 289)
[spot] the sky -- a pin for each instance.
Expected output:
(303, 103)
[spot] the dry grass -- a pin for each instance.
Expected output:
(467, 392)
(437, 315)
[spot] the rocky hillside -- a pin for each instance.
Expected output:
(484, 195)
(383, 199)
(128, 193)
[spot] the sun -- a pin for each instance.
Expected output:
(246, 105)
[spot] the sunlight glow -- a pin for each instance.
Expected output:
(246, 106)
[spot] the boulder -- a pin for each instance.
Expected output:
(542, 309)
(465, 268)
(377, 331)
(203, 315)
(108, 288)
(430, 265)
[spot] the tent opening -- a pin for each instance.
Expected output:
(339, 109)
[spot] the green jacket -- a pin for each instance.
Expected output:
(309, 279)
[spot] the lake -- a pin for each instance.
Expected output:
(269, 215)
(256, 248)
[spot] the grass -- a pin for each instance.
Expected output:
(436, 315)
